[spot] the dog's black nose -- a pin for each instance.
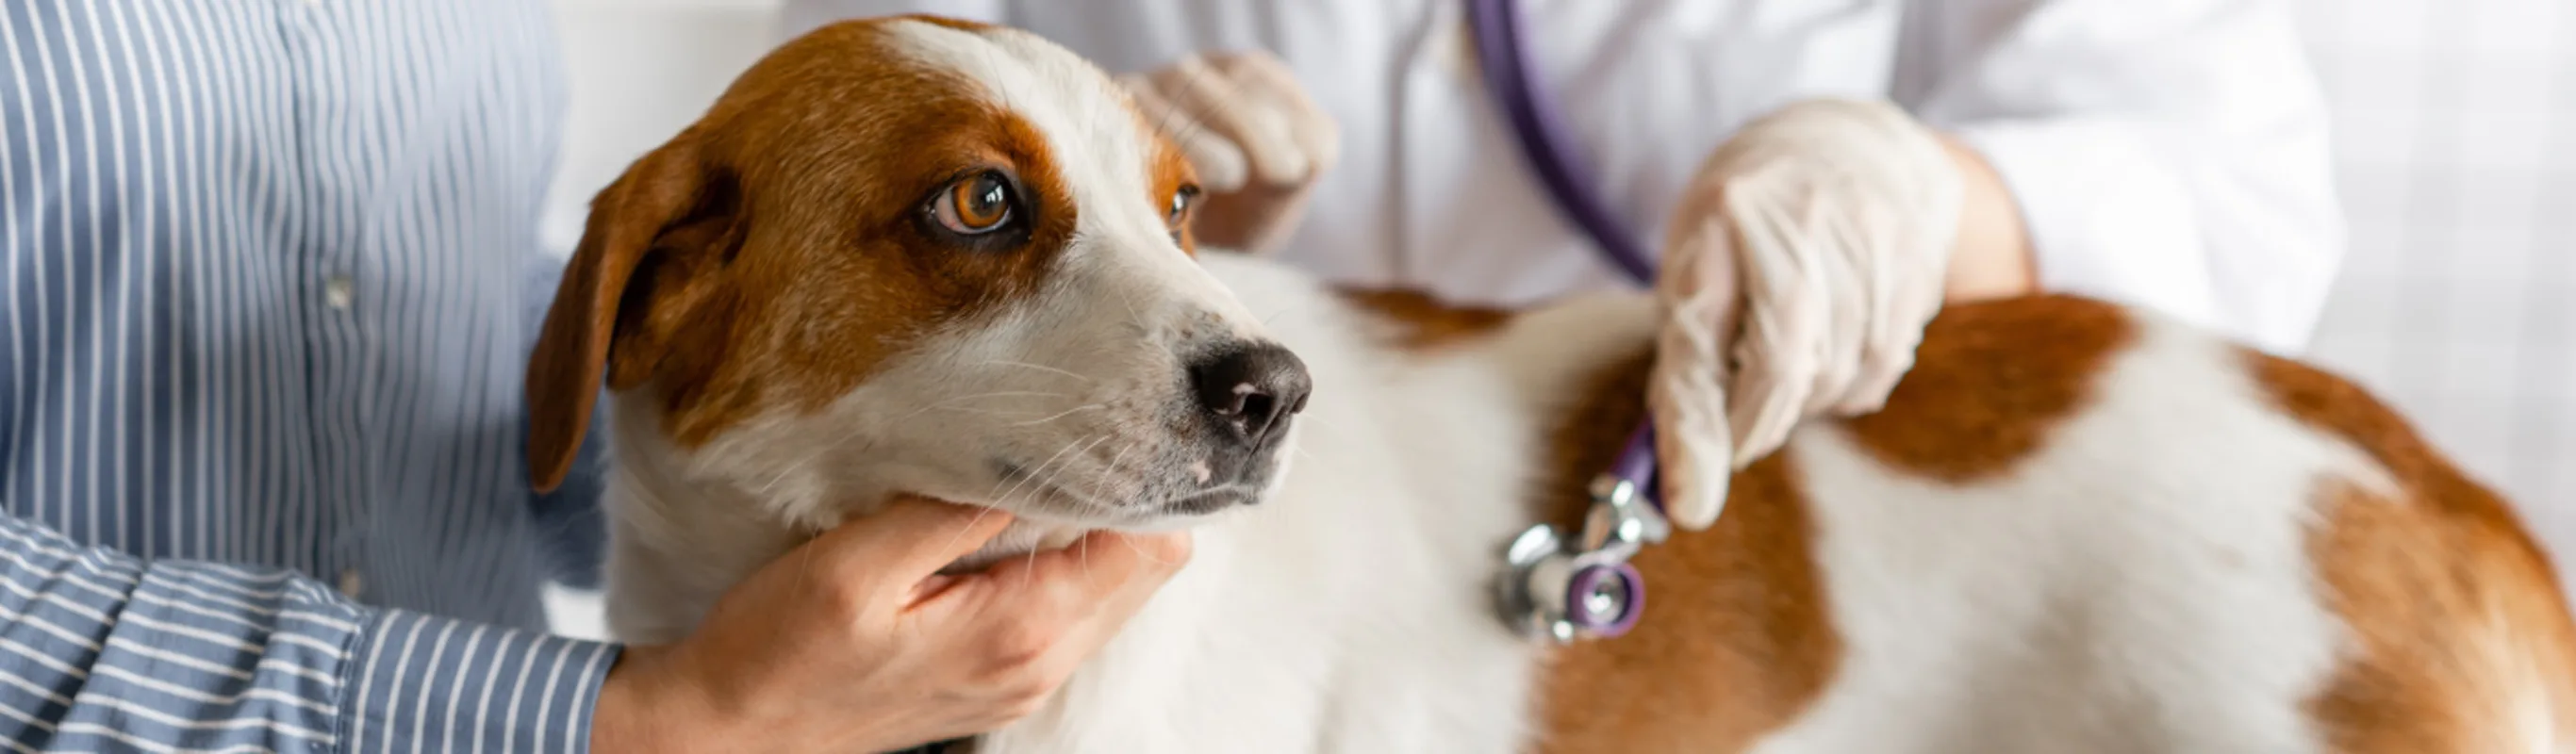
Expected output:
(1251, 390)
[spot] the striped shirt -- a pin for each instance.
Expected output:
(267, 270)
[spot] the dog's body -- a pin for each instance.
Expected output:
(2073, 528)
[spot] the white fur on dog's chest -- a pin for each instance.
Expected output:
(1350, 612)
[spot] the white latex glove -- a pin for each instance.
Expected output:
(1256, 139)
(1800, 269)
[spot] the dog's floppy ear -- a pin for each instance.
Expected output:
(643, 255)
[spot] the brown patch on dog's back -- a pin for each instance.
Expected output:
(2457, 618)
(1421, 321)
(1990, 382)
(1736, 639)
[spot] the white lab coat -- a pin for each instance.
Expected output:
(2169, 153)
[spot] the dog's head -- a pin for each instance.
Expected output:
(910, 255)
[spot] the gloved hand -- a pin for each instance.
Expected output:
(1798, 274)
(1255, 138)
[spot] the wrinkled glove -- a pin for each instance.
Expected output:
(1256, 139)
(1798, 274)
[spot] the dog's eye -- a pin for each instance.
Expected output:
(1180, 209)
(975, 205)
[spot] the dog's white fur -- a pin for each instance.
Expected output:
(2139, 585)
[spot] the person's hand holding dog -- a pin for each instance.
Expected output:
(853, 642)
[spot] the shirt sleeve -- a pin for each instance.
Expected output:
(100, 651)
(2169, 154)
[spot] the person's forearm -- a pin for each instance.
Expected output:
(169, 654)
(1992, 257)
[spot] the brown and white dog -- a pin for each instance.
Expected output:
(918, 256)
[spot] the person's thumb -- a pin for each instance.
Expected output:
(909, 539)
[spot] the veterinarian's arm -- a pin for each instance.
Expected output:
(2168, 154)
(167, 655)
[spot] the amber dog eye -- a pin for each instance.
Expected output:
(1178, 214)
(1180, 209)
(975, 205)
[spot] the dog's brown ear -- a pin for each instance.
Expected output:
(644, 228)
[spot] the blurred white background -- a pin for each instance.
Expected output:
(2457, 148)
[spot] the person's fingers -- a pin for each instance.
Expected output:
(908, 539)
(1090, 569)
(1309, 125)
(1770, 391)
(1047, 610)
(1871, 305)
(1843, 313)
(1137, 566)
(1229, 108)
(1906, 307)
(1687, 391)
(1772, 385)
(1220, 164)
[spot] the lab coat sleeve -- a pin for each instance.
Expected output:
(800, 16)
(2168, 154)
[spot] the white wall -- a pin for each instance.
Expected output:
(2457, 149)
(638, 71)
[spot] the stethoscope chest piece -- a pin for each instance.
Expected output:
(1561, 590)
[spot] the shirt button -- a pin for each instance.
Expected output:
(349, 583)
(339, 291)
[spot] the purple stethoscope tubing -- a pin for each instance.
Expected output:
(1541, 134)
(1503, 55)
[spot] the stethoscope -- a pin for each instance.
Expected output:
(1558, 586)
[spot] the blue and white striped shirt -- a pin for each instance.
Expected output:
(265, 267)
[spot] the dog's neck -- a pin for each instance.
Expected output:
(720, 530)
(1021, 538)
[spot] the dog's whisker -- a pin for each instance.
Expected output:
(1112, 471)
(1039, 367)
(1031, 475)
(1030, 572)
(1085, 557)
(1055, 480)
(980, 512)
(1043, 480)
(1319, 419)
(985, 411)
(977, 396)
(1140, 552)
(1062, 414)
